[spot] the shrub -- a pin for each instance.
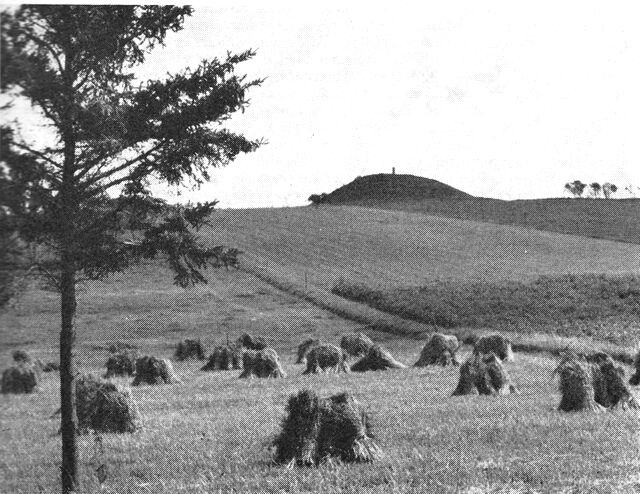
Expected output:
(21, 357)
(326, 358)
(377, 358)
(121, 364)
(224, 358)
(304, 347)
(21, 378)
(252, 342)
(594, 383)
(484, 374)
(356, 344)
(261, 363)
(50, 367)
(105, 407)
(317, 198)
(153, 370)
(190, 349)
(318, 428)
(497, 344)
(120, 346)
(440, 350)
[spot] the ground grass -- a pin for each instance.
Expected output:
(143, 307)
(398, 249)
(596, 306)
(307, 251)
(212, 433)
(192, 443)
(615, 219)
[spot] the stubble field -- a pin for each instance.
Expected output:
(212, 433)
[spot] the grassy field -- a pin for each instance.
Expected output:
(143, 307)
(466, 266)
(597, 218)
(212, 432)
(597, 306)
(394, 248)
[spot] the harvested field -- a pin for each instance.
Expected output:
(496, 443)
(505, 440)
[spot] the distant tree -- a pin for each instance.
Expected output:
(113, 137)
(596, 188)
(575, 188)
(317, 198)
(631, 190)
(608, 189)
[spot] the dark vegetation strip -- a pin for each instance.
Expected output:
(605, 308)
(620, 354)
(379, 320)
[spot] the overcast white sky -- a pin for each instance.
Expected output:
(500, 99)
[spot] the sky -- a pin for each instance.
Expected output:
(499, 99)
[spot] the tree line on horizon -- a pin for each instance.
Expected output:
(579, 189)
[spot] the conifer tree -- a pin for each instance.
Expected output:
(113, 136)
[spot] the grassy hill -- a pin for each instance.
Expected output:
(385, 187)
(397, 248)
(595, 218)
(394, 258)
(617, 219)
(399, 272)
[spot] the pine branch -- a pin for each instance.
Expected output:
(55, 281)
(122, 167)
(37, 153)
(49, 47)
(136, 174)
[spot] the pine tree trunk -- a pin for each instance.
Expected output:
(67, 381)
(69, 208)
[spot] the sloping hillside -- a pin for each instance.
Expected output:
(389, 256)
(617, 220)
(613, 219)
(394, 248)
